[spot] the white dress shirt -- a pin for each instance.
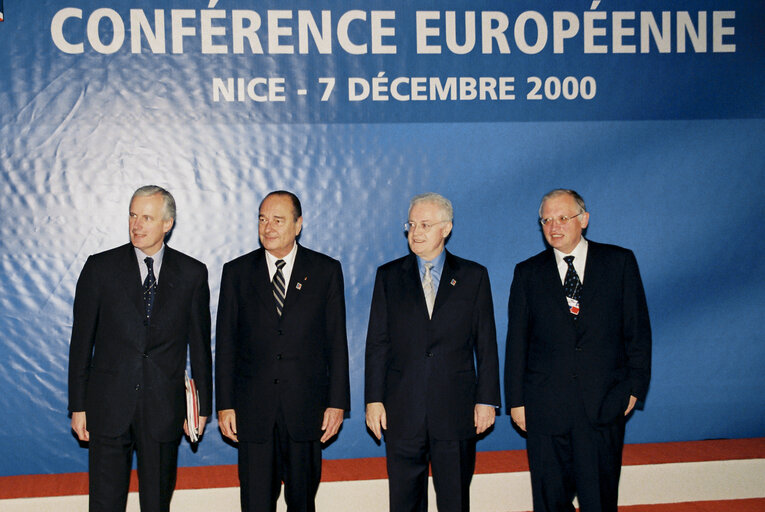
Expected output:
(289, 264)
(580, 259)
(156, 264)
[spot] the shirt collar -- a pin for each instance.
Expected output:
(157, 257)
(289, 259)
(579, 253)
(438, 263)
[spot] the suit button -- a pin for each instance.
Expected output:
(276, 381)
(137, 387)
(578, 349)
(278, 357)
(145, 355)
(429, 354)
(574, 376)
(280, 332)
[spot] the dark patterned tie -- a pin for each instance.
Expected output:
(571, 284)
(280, 290)
(149, 288)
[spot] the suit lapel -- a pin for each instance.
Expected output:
(593, 279)
(130, 276)
(167, 280)
(412, 283)
(447, 283)
(260, 281)
(298, 279)
(551, 281)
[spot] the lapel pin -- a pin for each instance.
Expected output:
(299, 286)
(453, 282)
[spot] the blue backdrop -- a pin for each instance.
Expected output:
(653, 110)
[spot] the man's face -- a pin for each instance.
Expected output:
(147, 227)
(277, 226)
(428, 245)
(563, 237)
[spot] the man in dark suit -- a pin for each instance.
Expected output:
(578, 358)
(281, 360)
(138, 308)
(432, 374)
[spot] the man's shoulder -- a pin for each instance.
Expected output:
(316, 257)
(538, 259)
(464, 264)
(244, 259)
(597, 249)
(396, 264)
(110, 255)
(183, 259)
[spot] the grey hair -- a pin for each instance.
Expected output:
(563, 191)
(431, 197)
(168, 201)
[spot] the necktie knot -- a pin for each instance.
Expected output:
(149, 263)
(280, 264)
(569, 260)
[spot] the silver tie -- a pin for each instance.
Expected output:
(429, 289)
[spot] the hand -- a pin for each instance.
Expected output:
(377, 421)
(333, 418)
(633, 401)
(483, 417)
(79, 425)
(518, 414)
(227, 424)
(202, 422)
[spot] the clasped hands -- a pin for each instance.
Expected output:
(377, 419)
(330, 425)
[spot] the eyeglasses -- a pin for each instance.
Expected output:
(424, 226)
(563, 219)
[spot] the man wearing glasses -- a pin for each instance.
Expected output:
(578, 358)
(432, 372)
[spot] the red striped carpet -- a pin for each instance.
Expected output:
(212, 477)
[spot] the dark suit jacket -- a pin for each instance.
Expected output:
(437, 368)
(114, 357)
(554, 363)
(298, 362)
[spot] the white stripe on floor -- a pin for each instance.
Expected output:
(497, 492)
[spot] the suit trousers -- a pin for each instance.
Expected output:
(264, 466)
(110, 460)
(584, 461)
(452, 463)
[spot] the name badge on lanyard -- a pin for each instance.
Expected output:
(573, 305)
